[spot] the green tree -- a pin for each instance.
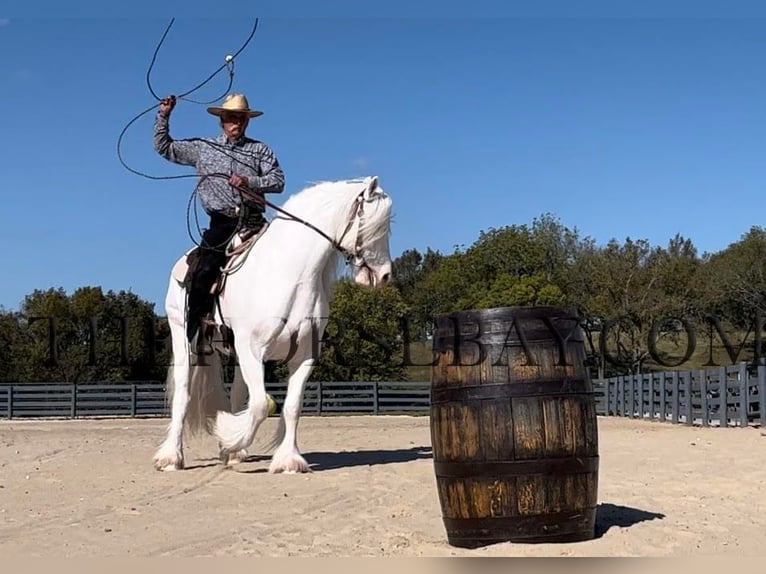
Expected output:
(735, 279)
(732, 298)
(14, 341)
(91, 336)
(363, 339)
(507, 290)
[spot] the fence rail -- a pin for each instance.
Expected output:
(146, 399)
(725, 396)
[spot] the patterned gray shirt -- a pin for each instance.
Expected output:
(247, 157)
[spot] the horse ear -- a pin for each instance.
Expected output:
(372, 186)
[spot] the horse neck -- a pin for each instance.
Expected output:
(313, 253)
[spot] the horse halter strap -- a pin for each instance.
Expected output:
(356, 217)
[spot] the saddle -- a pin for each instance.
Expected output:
(237, 250)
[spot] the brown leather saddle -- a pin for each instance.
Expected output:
(237, 250)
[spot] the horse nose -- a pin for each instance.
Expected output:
(385, 278)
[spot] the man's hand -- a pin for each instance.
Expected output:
(167, 105)
(238, 181)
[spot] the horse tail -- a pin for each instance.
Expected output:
(207, 395)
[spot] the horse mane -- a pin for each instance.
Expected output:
(326, 205)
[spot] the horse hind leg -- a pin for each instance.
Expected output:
(170, 454)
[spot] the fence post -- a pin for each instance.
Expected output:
(744, 394)
(133, 398)
(652, 404)
(723, 397)
(636, 397)
(663, 396)
(703, 397)
(375, 397)
(319, 397)
(73, 402)
(627, 398)
(688, 383)
(762, 394)
(10, 403)
(647, 386)
(623, 382)
(676, 398)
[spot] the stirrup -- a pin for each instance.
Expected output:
(202, 342)
(227, 338)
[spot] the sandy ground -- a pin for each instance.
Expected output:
(87, 488)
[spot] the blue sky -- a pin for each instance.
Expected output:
(619, 126)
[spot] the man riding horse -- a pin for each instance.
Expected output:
(235, 170)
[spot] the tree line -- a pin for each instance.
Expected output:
(642, 307)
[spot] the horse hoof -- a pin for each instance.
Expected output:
(168, 465)
(290, 464)
(234, 457)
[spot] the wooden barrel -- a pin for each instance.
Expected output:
(513, 427)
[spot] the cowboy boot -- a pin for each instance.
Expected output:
(195, 311)
(200, 301)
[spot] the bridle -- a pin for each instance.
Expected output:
(356, 218)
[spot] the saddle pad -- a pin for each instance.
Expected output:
(181, 267)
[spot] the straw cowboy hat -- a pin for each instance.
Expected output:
(235, 103)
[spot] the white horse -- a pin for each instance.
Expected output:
(276, 304)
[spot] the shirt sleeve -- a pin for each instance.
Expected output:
(271, 178)
(184, 152)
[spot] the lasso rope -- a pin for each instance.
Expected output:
(228, 65)
(244, 192)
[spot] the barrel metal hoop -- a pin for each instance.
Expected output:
(491, 469)
(574, 525)
(553, 387)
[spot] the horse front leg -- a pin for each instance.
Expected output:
(287, 458)
(238, 403)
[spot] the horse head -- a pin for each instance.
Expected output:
(365, 239)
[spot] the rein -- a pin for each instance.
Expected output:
(356, 215)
